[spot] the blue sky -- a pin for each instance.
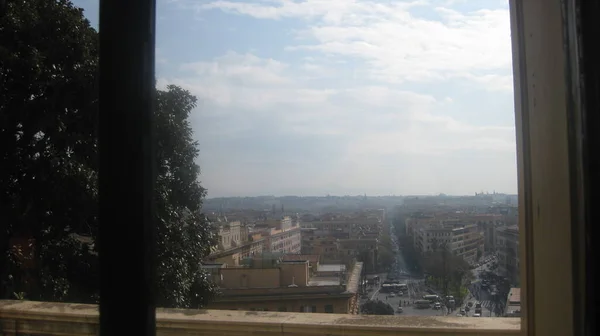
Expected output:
(315, 97)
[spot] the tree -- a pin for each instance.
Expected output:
(376, 308)
(48, 161)
(385, 255)
(48, 166)
(184, 233)
(448, 270)
(385, 258)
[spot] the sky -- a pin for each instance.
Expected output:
(343, 97)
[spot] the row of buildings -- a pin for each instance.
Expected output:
(275, 262)
(470, 235)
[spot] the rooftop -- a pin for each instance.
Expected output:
(313, 259)
(331, 268)
(324, 281)
(514, 295)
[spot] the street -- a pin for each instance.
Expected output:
(417, 289)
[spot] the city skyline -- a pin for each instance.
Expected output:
(343, 97)
(367, 195)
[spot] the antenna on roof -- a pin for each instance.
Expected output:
(293, 282)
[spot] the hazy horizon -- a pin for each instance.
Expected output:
(362, 195)
(345, 97)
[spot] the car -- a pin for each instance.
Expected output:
(399, 310)
(437, 305)
(476, 315)
(392, 295)
(460, 315)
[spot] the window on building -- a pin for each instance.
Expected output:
(328, 308)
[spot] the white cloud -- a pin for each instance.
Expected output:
(380, 119)
(370, 96)
(396, 45)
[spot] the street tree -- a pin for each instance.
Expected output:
(49, 166)
(372, 307)
(450, 271)
(385, 254)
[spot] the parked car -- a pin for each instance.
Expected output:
(437, 305)
(476, 315)
(399, 310)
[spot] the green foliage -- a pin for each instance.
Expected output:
(385, 256)
(48, 161)
(448, 272)
(184, 233)
(48, 166)
(376, 308)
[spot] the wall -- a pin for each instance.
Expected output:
(47, 318)
(255, 278)
(294, 272)
(340, 305)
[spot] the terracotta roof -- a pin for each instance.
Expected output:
(312, 258)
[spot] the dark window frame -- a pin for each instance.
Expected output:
(126, 238)
(127, 47)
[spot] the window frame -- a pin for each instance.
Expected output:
(554, 185)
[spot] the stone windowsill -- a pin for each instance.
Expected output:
(29, 317)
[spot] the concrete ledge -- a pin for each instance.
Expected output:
(49, 318)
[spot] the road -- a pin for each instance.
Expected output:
(416, 288)
(480, 295)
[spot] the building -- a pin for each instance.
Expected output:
(237, 241)
(464, 240)
(273, 282)
(512, 308)
(281, 236)
(364, 250)
(322, 243)
(230, 235)
(507, 248)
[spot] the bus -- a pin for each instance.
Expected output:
(386, 288)
(393, 288)
(431, 298)
(422, 304)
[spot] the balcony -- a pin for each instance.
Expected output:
(50, 318)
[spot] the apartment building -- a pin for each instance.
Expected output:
(361, 225)
(280, 235)
(512, 308)
(345, 239)
(237, 241)
(322, 243)
(230, 235)
(507, 248)
(365, 250)
(273, 283)
(464, 240)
